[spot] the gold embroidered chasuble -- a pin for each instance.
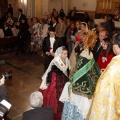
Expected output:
(106, 99)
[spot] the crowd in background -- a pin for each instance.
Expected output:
(32, 31)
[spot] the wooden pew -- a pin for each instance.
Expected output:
(8, 40)
(8, 44)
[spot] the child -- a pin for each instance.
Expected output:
(54, 80)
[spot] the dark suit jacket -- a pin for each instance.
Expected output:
(110, 27)
(41, 113)
(54, 26)
(75, 31)
(22, 16)
(49, 22)
(10, 10)
(46, 44)
(70, 14)
(96, 51)
(4, 93)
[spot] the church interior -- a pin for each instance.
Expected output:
(27, 69)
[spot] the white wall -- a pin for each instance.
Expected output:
(64, 5)
(54, 4)
(15, 6)
(48, 5)
(45, 7)
(84, 4)
(30, 8)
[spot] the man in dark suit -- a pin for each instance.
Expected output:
(10, 10)
(50, 44)
(49, 21)
(3, 92)
(54, 22)
(21, 15)
(39, 112)
(3, 89)
(72, 13)
(98, 47)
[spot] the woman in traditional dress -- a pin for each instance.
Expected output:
(106, 99)
(54, 80)
(77, 94)
(77, 40)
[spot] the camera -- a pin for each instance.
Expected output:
(7, 75)
(4, 108)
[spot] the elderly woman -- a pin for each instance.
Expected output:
(39, 112)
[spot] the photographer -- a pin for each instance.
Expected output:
(3, 90)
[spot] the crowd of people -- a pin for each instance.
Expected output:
(81, 71)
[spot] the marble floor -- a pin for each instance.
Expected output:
(27, 71)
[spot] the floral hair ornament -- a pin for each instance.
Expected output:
(90, 40)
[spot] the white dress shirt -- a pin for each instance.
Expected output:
(19, 17)
(54, 24)
(52, 40)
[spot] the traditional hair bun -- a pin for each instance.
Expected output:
(90, 39)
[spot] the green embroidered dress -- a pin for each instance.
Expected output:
(84, 77)
(77, 93)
